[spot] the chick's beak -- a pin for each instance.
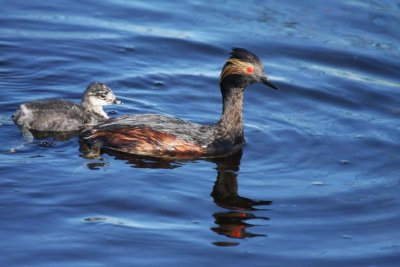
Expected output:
(115, 101)
(264, 80)
(112, 100)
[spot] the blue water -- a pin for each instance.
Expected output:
(317, 183)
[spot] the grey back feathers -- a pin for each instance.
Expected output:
(57, 115)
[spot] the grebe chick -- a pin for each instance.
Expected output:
(57, 115)
(162, 136)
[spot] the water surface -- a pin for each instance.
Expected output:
(316, 183)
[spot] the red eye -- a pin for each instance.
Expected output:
(249, 70)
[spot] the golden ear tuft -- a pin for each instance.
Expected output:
(236, 66)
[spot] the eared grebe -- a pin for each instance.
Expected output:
(57, 115)
(161, 136)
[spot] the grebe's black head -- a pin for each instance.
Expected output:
(242, 69)
(98, 94)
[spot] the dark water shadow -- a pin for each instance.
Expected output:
(233, 221)
(57, 136)
(45, 139)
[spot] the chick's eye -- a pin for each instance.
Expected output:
(102, 96)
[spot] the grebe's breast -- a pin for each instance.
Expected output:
(153, 135)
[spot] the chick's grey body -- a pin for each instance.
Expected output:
(54, 115)
(57, 115)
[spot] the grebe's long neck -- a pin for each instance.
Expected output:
(231, 122)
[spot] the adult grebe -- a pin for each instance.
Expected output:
(162, 136)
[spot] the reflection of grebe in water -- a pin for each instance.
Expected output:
(231, 222)
(225, 193)
(161, 136)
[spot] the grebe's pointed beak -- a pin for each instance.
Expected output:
(264, 80)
